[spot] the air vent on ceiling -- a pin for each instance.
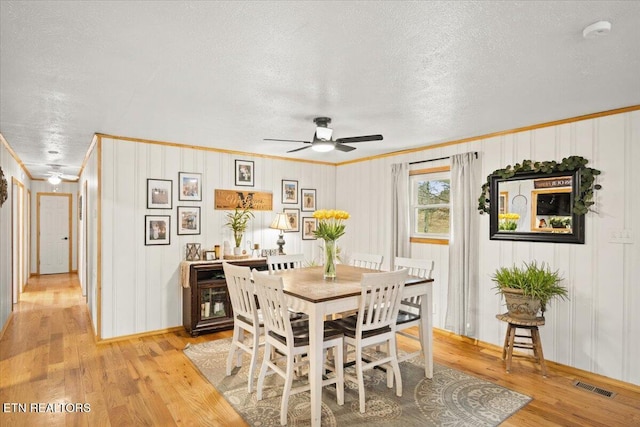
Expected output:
(594, 389)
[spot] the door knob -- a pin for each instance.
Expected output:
(65, 238)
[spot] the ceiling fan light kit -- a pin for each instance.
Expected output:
(54, 180)
(597, 29)
(323, 146)
(322, 141)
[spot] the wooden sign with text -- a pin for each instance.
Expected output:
(562, 181)
(232, 199)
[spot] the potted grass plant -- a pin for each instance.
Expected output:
(527, 290)
(238, 221)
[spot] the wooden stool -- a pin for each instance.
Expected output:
(534, 336)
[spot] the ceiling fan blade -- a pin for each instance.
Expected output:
(345, 148)
(287, 140)
(69, 177)
(298, 149)
(360, 139)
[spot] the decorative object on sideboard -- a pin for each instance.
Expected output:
(237, 221)
(3, 188)
(527, 290)
(280, 223)
(193, 252)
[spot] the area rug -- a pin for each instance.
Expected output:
(450, 398)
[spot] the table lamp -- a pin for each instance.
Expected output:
(280, 222)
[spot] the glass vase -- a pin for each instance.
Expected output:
(330, 259)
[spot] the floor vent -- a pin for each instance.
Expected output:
(594, 389)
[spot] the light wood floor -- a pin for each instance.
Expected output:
(48, 354)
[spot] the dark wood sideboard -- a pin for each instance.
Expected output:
(206, 306)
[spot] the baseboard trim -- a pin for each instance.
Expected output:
(100, 341)
(6, 325)
(566, 370)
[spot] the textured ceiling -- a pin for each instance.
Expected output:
(228, 74)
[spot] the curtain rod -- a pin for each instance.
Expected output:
(440, 158)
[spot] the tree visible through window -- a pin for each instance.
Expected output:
(431, 207)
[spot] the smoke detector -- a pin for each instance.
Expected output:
(597, 29)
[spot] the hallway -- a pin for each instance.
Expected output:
(48, 355)
(53, 373)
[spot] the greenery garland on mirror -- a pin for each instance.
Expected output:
(3, 188)
(587, 180)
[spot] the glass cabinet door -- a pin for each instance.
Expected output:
(213, 303)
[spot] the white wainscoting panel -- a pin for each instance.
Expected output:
(597, 328)
(140, 284)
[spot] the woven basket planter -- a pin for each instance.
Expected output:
(521, 306)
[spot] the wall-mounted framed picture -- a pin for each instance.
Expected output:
(289, 192)
(309, 226)
(308, 197)
(190, 186)
(293, 216)
(244, 173)
(188, 220)
(159, 193)
(157, 230)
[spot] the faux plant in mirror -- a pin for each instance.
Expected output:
(540, 201)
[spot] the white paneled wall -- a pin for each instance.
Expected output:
(597, 329)
(11, 170)
(140, 286)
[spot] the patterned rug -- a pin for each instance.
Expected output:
(451, 398)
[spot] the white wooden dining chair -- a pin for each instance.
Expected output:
(246, 318)
(291, 342)
(372, 261)
(409, 313)
(374, 325)
(285, 262)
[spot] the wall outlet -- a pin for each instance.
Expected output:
(621, 237)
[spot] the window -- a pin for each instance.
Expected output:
(430, 205)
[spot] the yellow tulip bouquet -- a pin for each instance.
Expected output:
(330, 223)
(508, 221)
(330, 227)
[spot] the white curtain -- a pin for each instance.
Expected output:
(400, 244)
(462, 298)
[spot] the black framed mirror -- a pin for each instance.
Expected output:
(536, 207)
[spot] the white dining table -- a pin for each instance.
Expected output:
(306, 291)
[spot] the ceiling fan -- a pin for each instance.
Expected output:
(323, 142)
(56, 176)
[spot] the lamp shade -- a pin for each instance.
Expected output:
(280, 222)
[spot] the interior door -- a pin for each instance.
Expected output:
(54, 233)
